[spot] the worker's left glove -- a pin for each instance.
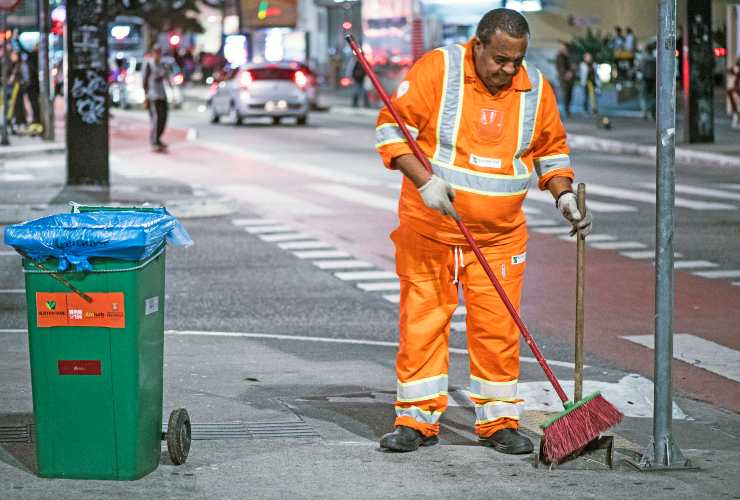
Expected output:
(439, 195)
(568, 206)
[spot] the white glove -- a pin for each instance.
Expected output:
(439, 195)
(568, 206)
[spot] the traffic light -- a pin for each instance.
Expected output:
(174, 40)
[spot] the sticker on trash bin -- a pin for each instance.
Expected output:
(79, 367)
(151, 305)
(69, 309)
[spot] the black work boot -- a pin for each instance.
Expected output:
(406, 439)
(508, 441)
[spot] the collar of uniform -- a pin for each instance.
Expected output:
(520, 82)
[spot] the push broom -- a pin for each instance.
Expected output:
(581, 421)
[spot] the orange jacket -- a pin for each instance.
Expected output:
(482, 144)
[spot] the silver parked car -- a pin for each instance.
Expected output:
(275, 90)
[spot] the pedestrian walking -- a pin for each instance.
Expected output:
(733, 92)
(358, 88)
(155, 76)
(590, 82)
(487, 121)
(648, 73)
(566, 77)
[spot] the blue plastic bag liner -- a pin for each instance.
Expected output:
(74, 237)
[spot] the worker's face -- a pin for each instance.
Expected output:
(498, 61)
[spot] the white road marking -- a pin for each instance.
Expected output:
(13, 290)
(27, 164)
(269, 229)
(329, 131)
(729, 186)
(700, 191)
(616, 245)
(736, 283)
(273, 238)
(13, 330)
(341, 264)
(693, 264)
(260, 196)
(541, 222)
(358, 196)
(645, 254)
(552, 230)
(366, 275)
(631, 194)
(321, 254)
(589, 238)
(255, 222)
(15, 177)
(393, 298)
(303, 245)
(596, 206)
(718, 274)
(531, 210)
(632, 395)
(273, 336)
(699, 352)
(380, 287)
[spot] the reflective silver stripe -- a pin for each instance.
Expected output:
(427, 417)
(390, 133)
(482, 182)
(547, 163)
(422, 390)
(528, 108)
(448, 123)
(486, 389)
(493, 411)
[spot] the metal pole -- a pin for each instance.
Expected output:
(6, 61)
(47, 106)
(662, 452)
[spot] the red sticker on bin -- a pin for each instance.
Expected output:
(79, 366)
(69, 309)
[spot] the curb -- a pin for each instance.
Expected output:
(683, 154)
(21, 151)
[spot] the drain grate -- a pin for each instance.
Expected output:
(202, 431)
(250, 430)
(16, 433)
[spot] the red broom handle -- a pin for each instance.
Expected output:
(468, 236)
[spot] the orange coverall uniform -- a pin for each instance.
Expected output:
(487, 147)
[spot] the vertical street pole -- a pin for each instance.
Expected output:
(663, 453)
(86, 47)
(47, 106)
(6, 98)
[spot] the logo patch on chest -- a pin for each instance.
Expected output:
(480, 161)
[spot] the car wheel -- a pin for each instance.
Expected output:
(302, 120)
(234, 115)
(215, 118)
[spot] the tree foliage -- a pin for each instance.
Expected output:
(593, 42)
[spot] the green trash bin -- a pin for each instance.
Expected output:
(97, 369)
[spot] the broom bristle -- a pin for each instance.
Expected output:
(578, 427)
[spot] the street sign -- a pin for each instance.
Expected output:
(8, 5)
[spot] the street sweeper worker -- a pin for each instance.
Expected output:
(487, 120)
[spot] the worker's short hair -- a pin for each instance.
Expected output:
(508, 21)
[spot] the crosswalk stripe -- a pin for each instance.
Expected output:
(341, 264)
(379, 287)
(729, 186)
(541, 222)
(274, 238)
(358, 196)
(393, 298)
(303, 245)
(15, 177)
(630, 194)
(321, 254)
(701, 191)
(255, 222)
(645, 254)
(279, 202)
(718, 274)
(699, 352)
(268, 229)
(366, 275)
(693, 264)
(736, 283)
(552, 230)
(590, 237)
(13, 290)
(596, 206)
(616, 245)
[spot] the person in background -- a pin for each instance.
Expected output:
(155, 76)
(590, 82)
(733, 92)
(566, 79)
(358, 89)
(648, 72)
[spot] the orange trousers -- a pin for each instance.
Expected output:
(429, 272)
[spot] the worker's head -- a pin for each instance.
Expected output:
(498, 49)
(156, 52)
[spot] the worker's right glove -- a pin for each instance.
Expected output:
(439, 195)
(568, 206)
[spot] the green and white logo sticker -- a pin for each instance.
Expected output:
(519, 259)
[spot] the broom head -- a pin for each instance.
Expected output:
(578, 425)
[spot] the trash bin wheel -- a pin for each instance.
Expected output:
(178, 436)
